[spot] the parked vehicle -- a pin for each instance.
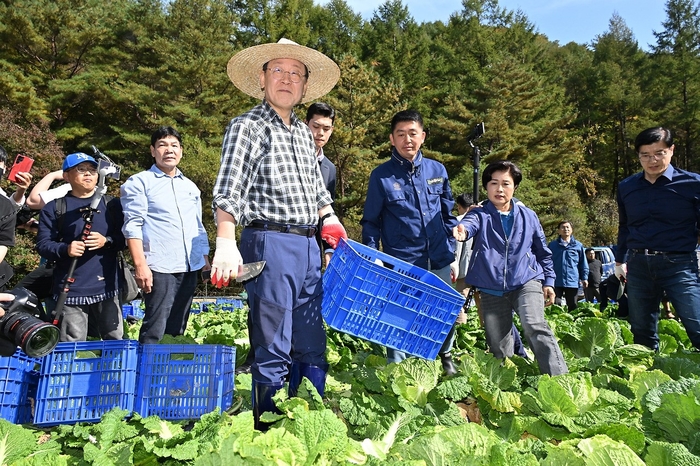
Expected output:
(605, 255)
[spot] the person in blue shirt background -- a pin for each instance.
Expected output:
(164, 231)
(570, 264)
(659, 210)
(409, 211)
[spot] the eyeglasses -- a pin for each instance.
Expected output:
(658, 155)
(84, 170)
(278, 74)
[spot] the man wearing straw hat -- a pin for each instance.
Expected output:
(269, 182)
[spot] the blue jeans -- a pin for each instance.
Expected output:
(167, 305)
(528, 302)
(393, 355)
(647, 278)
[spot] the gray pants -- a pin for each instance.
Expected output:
(393, 355)
(528, 302)
(107, 317)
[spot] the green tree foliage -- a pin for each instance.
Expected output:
(399, 50)
(618, 100)
(49, 43)
(364, 105)
(338, 29)
(602, 220)
(675, 72)
(81, 72)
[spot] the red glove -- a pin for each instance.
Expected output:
(332, 232)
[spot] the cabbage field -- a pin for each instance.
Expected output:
(621, 404)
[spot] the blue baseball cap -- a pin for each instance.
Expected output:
(76, 159)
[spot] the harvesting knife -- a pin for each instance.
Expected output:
(250, 270)
(621, 289)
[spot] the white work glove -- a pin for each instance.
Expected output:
(227, 260)
(621, 272)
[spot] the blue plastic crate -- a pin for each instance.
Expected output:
(195, 308)
(133, 309)
(397, 305)
(127, 310)
(19, 376)
(184, 381)
(229, 304)
(201, 306)
(81, 381)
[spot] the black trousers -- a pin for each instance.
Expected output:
(569, 294)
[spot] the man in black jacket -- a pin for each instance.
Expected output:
(595, 272)
(320, 118)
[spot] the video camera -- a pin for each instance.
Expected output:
(477, 132)
(21, 326)
(105, 166)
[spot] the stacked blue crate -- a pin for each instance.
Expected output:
(81, 381)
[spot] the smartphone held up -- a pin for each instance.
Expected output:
(22, 164)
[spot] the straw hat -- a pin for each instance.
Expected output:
(244, 68)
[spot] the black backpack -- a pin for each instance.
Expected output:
(60, 211)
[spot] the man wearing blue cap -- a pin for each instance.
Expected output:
(60, 239)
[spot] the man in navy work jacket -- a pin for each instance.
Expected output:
(269, 182)
(320, 118)
(659, 211)
(409, 210)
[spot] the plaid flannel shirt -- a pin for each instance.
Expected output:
(269, 172)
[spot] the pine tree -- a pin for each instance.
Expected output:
(364, 104)
(618, 101)
(674, 78)
(399, 50)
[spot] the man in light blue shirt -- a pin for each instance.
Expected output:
(164, 231)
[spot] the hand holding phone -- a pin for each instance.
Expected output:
(22, 164)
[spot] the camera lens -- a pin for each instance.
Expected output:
(41, 341)
(36, 337)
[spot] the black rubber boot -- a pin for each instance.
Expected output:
(245, 367)
(294, 378)
(316, 374)
(447, 365)
(262, 402)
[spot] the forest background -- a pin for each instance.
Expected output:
(77, 73)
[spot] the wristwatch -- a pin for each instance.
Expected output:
(329, 215)
(108, 241)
